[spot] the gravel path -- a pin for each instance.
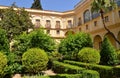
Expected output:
(46, 73)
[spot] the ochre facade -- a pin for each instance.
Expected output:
(81, 19)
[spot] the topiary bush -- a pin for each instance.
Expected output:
(89, 55)
(108, 54)
(3, 63)
(34, 60)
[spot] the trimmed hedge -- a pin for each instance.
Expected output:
(90, 74)
(60, 67)
(105, 71)
(117, 71)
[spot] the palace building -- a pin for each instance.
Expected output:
(80, 19)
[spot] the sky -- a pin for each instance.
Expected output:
(54, 5)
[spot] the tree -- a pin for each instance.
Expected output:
(73, 43)
(36, 5)
(108, 54)
(41, 40)
(101, 6)
(15, 22)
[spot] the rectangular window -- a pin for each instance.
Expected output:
(79, 21)
(57, 31)
(106, 19)
(37, 23)
(69, 24)
(48, 24)
(95, 23)
(57, 24)
(86, 27)
(119, 13)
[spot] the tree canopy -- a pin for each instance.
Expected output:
(15, 21)
(36, 5)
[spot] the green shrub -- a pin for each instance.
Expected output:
(4, 42)
(71, 45)
(34, 60)
(41, 40)
(118, 55)
(108, 54)
(90, 74)
(3, 63)
(117, 71)
(89, 55)
(61, 68)
(104, 71)
(12, 69)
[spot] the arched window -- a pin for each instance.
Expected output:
(86, 16)
(95, 14)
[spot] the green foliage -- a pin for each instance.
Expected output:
(116, 70)
(89, 55)
(36, 5)
(73, 43)
(90, 74)
(13, 65)
(60, 67)
(41, 40)
(55, 56)
(104, 71)
(22, 43)
(4, 43)
(34, 60)
(108, 54)
(13, 69)
(15, 23)
(118, 55)
(3, 63)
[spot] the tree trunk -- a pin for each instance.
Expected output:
(101, 12)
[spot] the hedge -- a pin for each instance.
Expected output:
(61, 68)
(105, 71)
(117, 71)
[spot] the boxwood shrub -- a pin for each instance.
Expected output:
(34, 60)
(104, 71)
(89, 55)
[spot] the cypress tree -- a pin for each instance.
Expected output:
(108, 55)
(36, 5)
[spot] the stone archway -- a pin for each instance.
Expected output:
(112, 40)
(97, 42)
